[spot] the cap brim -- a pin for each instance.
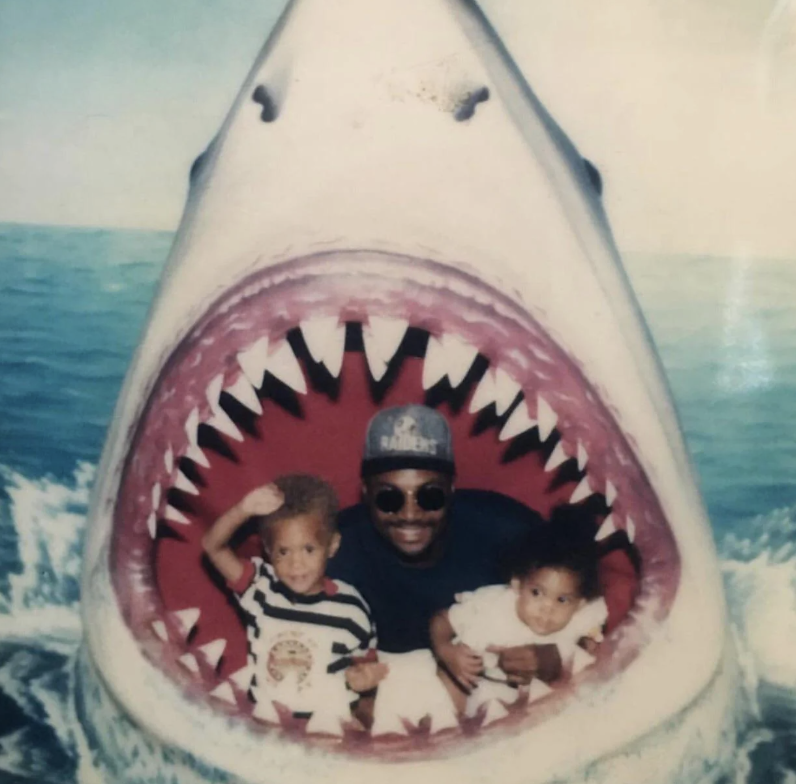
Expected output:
(381, 465)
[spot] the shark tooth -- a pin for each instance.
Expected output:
(181, 482)
(496, 387)
(557, 457)
(156, 493)
(581, 660)
(242, 678)
(537, 690)
(547, 418)
(220, 420)
(506, 391)
(254, 360)
(583, 490)
(444, 718)
(495, 711)
(282, 364)
(197, 455)
(188, 660)
(630, 529)
(265, 711)
(606, 529)
(324, 723)
(519, 422)
(583, 457)
(244, 393)
(325, 339)
(447, 356)
(185, 620)
(152, 525)
(610, 494)
(224, 693)
(390, 724)
(160, 630)
(213, 390)
(192, 431)
(435, 365)
(484, 393)
(213, 651)
(176, 516)
(461, 356)
(382, 337)
(168, 460)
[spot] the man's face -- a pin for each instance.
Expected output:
(408, 507)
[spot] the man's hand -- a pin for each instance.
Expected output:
(523, 663)
(462, 662)
(262, 500)
(589, 644)
(365, 676)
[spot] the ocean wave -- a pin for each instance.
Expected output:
(760, 580)
(44, 521)
(37, 728)
(759, 571)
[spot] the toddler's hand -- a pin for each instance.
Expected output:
(262, 500)
(462, 662)
(365, 676)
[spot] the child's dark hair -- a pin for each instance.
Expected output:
(566, 542)
(304, 494)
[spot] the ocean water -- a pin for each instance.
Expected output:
(72, 303)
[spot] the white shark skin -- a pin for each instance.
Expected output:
(365, 155)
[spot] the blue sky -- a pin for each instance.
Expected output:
(104, 104)
(687, 106)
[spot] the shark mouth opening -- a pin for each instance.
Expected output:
(283, 373)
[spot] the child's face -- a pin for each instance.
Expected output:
(298, 548)
(547, 599)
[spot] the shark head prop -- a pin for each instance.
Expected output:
(387, 216)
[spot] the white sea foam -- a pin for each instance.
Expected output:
(760, 580)
(16, 760)
(763, 607)
(49, 520)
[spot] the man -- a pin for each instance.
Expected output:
(415, 543)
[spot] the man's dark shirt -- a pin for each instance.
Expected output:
(481, 528)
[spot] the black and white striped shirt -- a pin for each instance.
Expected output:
(300, 646)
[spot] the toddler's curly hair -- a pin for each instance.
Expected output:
(304, 494)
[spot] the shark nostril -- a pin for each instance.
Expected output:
(261, 96)
(467, 105)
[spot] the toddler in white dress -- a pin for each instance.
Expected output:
(552, 598)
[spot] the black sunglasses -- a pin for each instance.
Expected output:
(430, 498)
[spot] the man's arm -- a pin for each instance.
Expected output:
(460, 661)
(525, 662)
(215, 542)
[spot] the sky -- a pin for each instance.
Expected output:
(688, 107)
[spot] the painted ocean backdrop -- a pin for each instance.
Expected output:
(72, 303)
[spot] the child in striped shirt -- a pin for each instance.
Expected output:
(312, 642)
